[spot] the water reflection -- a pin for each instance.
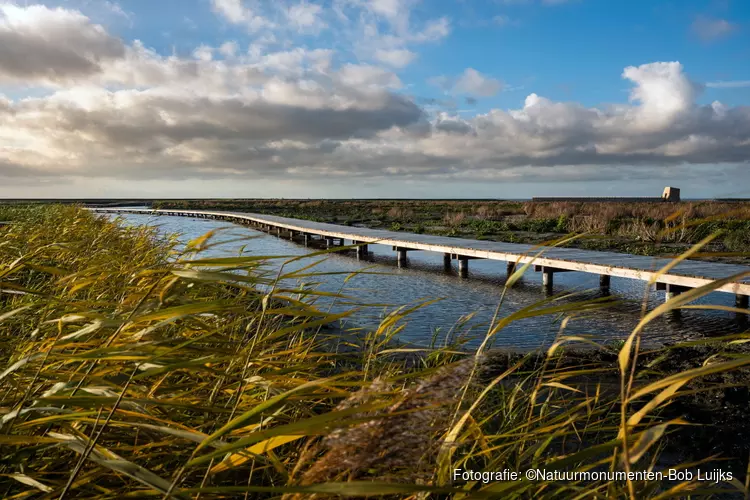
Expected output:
(425, 277)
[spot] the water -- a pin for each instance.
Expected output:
(478, 294)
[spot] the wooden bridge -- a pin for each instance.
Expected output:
(685, 275)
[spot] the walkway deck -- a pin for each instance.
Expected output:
(687, 274)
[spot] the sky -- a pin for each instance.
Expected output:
(374, 98)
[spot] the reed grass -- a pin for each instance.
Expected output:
(132, 367)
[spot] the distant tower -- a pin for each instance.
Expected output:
(671, 194)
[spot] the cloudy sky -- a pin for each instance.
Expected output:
(374, 98)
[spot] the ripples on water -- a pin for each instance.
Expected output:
(479, 294)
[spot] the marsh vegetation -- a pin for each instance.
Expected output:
(636, 228)
(131, 367)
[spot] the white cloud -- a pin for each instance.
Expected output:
(306, 17)
(357, 75)
(471, 82)
(203, 53)
(434, 30)
(397, 58)
(229, 49)
(116, 9)
(238, 12)
(53, 45)
(126, 111)
(389, 8)
(144, 68)
(662, 89)
(296, 61)
(233, 10)
(474, 83)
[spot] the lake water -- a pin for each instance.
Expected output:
(478, 294)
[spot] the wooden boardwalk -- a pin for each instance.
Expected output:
(687, 274)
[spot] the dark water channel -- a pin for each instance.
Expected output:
(479, 294)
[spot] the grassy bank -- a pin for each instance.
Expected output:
(637, 228)
(128, 369)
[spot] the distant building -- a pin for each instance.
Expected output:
(670, 194)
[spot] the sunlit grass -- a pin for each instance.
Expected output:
(129, 368)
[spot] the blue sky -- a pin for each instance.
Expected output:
(571, 50)
(374, 98)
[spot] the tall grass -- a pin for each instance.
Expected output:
(131, 369)
(694, 220)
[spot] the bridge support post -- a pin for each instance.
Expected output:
(604, 281)
(547, 275)
(463, 266)
(361, 250)
(307, 239)
(329, 242)
(742, 301)
(670, 291)
(401, 257)
(510, 268)
(547, 278)
(291, 235)
(447, 261)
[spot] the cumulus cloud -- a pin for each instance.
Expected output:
(301, 113)
(54, 45)
(662, 89)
